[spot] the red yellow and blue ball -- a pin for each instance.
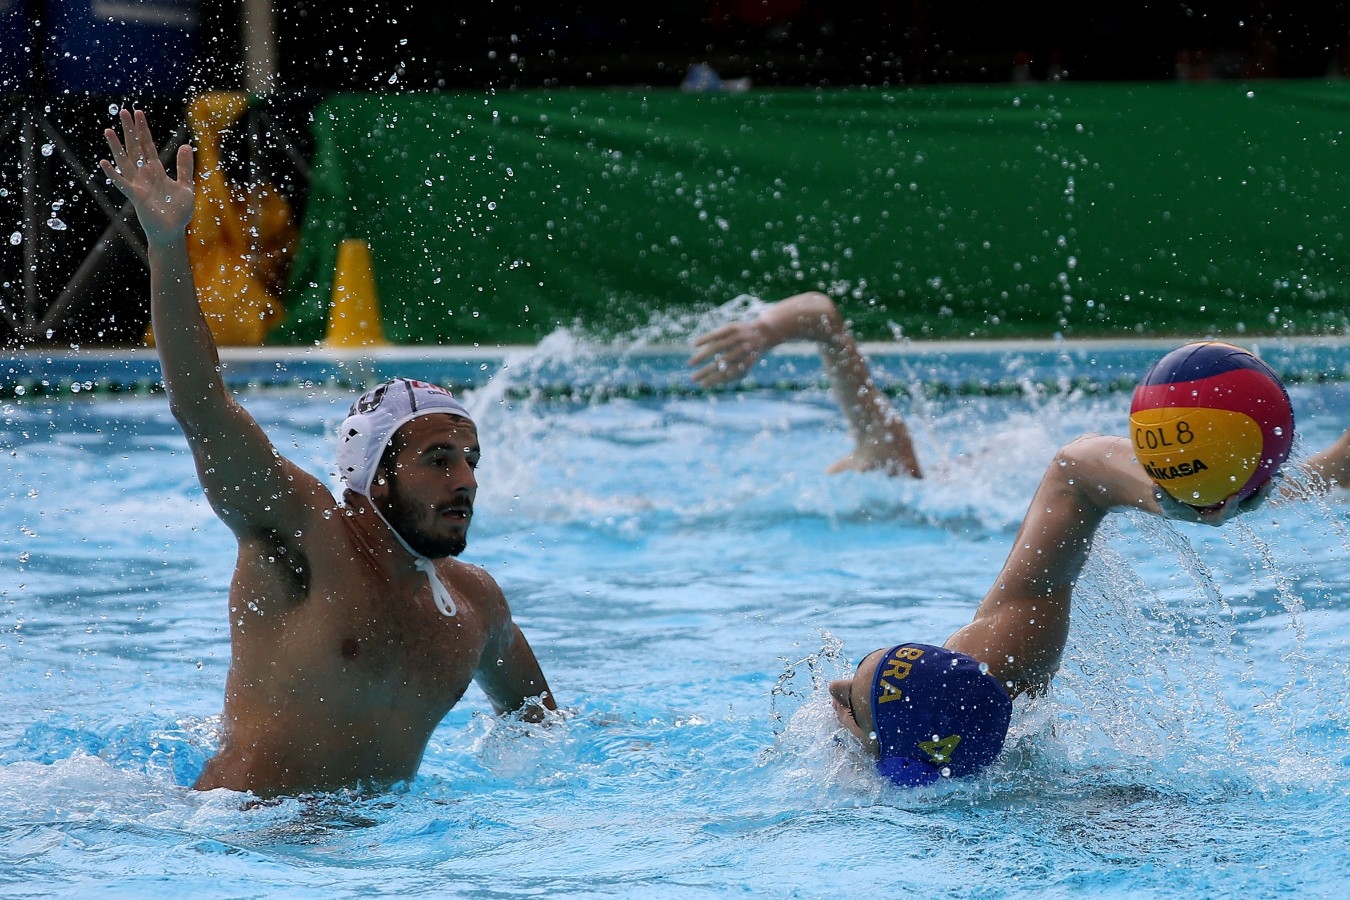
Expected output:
(1210, 420)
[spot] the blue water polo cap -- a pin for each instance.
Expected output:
(936, 713)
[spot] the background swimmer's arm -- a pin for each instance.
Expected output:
(880, 437)
(1020, 627)
(243, 477)
(510, 676)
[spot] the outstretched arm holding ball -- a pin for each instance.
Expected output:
(1021, 625)
(881, 439)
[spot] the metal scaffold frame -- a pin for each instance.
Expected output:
(32, 308)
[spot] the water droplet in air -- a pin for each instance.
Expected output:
(16, 239)
(48, 149)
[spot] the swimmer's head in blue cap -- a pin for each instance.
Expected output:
(935, 714)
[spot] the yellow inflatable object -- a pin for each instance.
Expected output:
(238, 241)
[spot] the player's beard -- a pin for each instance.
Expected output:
(407, 515)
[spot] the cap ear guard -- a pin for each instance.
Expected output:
(353, 447)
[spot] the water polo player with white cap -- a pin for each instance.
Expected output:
(354, 628)
(365, 435)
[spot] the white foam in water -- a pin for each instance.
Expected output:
(691, 579)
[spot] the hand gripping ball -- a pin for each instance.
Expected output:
(1210, 420)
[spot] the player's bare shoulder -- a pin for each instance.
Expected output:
(277, 572)
(478, 588)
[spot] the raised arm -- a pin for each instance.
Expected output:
(1020, 627)
(881, 439)
(251, 487)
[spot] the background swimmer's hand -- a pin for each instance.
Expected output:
(729, 352)
(1173, 508)
(163, 204)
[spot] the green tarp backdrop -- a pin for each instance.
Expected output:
(1007, 211)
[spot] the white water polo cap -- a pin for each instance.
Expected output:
(374, 418)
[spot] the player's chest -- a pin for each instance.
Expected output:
(394, 649)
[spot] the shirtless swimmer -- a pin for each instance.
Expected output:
(353, 628)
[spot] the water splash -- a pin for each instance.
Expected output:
(1163, 668)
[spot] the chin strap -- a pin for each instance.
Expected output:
(444, 601)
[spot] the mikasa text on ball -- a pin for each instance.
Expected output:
(1210, 420)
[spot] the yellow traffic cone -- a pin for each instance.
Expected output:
(354, 319)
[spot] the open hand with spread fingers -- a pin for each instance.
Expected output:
(163, 203)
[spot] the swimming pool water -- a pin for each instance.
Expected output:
(689, 577)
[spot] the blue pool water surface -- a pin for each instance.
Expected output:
(689, 578)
